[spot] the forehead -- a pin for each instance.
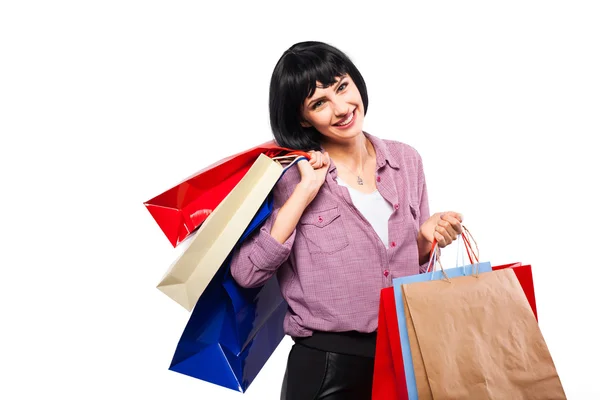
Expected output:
(320, 86)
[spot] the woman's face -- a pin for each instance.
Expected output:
(336, 111)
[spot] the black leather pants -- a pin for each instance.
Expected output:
(313, 374)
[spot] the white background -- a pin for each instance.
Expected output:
(105, 104)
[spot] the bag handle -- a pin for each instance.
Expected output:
(282, 152)
(288, 161)
(473, 255)
(435, 259)
(467, 238)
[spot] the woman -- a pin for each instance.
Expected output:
(344, 224)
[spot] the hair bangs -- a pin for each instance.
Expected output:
(326, 72)
(304, 72)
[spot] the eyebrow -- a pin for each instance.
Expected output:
(339, 82)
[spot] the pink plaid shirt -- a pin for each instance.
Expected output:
(333, 266)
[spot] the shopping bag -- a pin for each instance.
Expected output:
(183, 208)
(479, 338)
(415, 373)
(232, 331)
(522, 272)
(389, 381)
(525, 277)
(189, 275)
(389, 378)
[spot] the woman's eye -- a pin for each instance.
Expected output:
(317, 104)
(342, 86)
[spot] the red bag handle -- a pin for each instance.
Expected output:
(467, 237)
(278, 151)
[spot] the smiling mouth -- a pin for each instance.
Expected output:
(348, 120)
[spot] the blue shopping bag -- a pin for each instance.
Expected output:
(232, 331)
(409, 371)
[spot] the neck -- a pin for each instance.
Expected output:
(353, 153)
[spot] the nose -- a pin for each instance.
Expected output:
(340, 108)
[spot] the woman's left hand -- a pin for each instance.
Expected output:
(444, 227)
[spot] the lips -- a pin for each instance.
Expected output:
(347, 120)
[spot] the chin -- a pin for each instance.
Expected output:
(350, 133)
(344, 136)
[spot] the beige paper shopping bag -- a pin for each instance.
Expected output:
(421, 380)
(189, 275)
(479, 339)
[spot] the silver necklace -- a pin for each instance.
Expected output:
(359, 180)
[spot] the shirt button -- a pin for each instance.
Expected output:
(378, 179)
(320, 219)
(393, 244)
(386, 273)
(396, 206)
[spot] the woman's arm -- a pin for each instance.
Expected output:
(290, 214)
(260, 255)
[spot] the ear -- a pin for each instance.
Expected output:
(305, 124)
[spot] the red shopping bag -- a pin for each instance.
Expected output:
(389, 381)
(183, 208)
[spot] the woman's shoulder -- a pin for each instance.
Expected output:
(396, 151)
(401, 148)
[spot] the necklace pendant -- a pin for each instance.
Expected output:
(359, 180)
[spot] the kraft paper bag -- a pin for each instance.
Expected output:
(416, 377)
(523, 274)
(421, 380)
(191, 273)
(479, 339)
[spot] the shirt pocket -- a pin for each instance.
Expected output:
(324, 230)
(405, 224)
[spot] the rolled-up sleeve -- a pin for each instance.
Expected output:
(267, 253)
(423, 202)
(259, 257)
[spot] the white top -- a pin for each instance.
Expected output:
(373, 207)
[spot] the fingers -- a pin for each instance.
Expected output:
(448, 228)
(326, 159)
(452, 214)
(315, 159)
(451, 220)
(304, 167)
(319, 160)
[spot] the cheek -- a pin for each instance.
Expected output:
(358, 100)
(321, 119)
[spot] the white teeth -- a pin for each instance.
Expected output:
(347, 120)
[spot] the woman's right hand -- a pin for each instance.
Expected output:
(313, 173)
(312, 176)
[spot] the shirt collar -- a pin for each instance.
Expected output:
(382, 153)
